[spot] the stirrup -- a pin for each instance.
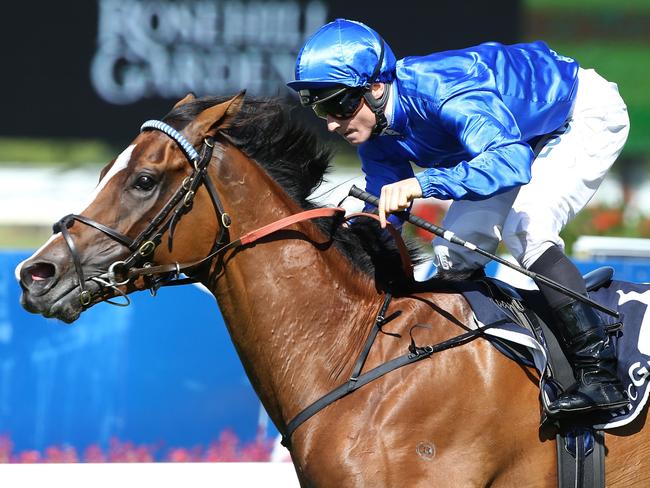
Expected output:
(589, 406)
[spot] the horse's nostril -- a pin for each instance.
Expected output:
(38, 274)
(41, 271)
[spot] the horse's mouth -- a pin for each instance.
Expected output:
(62, 302)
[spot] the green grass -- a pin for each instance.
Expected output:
(345, 156)
(592, 6)
(23, 236)
(610, 37)
(68, 152)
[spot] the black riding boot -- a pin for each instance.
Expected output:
(588, 348)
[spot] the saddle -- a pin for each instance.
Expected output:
(580, 446)
(531, 312)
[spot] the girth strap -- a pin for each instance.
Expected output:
(581, 458)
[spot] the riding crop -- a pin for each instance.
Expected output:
(451, 237)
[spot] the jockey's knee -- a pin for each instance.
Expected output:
(526, 250)
(527, 238)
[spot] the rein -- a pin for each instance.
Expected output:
(255, 235)
(246, 239)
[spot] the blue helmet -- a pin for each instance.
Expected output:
(343, 52)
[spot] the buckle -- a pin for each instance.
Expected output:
(85, 298)
(146, 248)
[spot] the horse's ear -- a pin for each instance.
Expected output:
(188, 98)
(217, 117)
(234, 106)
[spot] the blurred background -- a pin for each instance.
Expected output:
(152, 382)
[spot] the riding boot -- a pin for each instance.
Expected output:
(590, 352)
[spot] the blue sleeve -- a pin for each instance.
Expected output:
(381, 169)
(488, 132)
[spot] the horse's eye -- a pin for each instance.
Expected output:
(145, 183)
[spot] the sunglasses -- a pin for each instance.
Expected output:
(340, 103)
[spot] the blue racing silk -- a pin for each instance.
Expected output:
(468, 117)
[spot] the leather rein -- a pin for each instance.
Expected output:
(139, 263)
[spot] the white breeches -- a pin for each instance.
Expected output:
(570, 165)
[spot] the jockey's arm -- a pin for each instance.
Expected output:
(488, 132)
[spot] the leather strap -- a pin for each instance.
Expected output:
(118, 236)
(62, 226)
(581, 458)
(257, 234)
(380, 320)
(246, 239)
(315, 213)
(416, 354)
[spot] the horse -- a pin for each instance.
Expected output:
(299, 301)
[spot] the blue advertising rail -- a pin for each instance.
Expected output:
(153, 373)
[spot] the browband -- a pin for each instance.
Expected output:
(191, 153)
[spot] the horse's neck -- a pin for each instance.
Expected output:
(296, 313)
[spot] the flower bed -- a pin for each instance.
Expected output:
(227, 448)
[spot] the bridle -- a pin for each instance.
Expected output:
(144, 244)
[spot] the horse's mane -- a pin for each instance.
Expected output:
(298, 160)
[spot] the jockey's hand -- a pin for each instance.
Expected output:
(397, 197)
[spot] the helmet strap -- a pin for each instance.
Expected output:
(377, 105)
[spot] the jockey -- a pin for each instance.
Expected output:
(517, 136)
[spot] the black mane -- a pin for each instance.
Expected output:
(295, 157)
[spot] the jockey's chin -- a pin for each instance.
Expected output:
(355, 138)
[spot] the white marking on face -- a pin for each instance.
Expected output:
(120, 163)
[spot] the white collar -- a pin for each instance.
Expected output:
(388, 111)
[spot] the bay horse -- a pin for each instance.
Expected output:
(299, 303)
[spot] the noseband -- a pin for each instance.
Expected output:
(143, 246)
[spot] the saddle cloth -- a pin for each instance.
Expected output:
(632, 342)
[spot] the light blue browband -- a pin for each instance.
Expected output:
(185, 145)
